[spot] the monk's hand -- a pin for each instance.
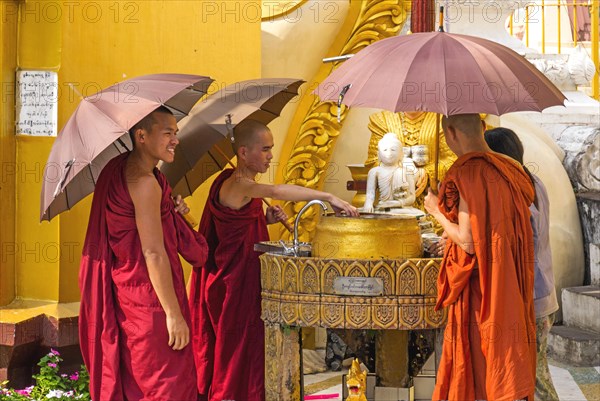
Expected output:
(431, 202)
(180, 205)
(343, 208)
(179, 333)
(437, 248)
(275, 214)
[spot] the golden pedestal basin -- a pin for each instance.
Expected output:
(371, 236)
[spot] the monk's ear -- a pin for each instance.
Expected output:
(140, 135)
(450, 132)
(242, 152)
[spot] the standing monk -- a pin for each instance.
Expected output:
(228, 334)
(134, 318)
(486, 277)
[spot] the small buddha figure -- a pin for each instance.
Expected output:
(393, 180)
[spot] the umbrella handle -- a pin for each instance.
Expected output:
(285, 223)
(190, 220)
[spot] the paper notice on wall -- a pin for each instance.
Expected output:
(37, 103)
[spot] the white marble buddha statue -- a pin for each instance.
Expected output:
(394, 183)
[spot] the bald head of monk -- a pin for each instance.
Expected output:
(247, 133)
(464, 133)
(253, 144)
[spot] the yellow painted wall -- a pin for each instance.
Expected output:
(8, 59)
(102, 43)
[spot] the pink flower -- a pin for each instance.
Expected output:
(74, 376)
(52, 365)
(25, 391)
(54, 352)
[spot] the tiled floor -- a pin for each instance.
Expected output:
(571, 383)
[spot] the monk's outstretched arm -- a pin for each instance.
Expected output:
(146, 195)
(295, 193)
(460, 233)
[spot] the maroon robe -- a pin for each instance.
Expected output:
(122, 326)
(228, 334)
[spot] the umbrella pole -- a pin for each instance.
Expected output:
(284, 222)
(436, 151)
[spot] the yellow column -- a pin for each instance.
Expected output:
(8, 59)
(37, 257)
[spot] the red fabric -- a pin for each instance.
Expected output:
(122, 328)
(228, 334)
(489, 344)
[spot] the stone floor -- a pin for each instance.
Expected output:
(572, 383)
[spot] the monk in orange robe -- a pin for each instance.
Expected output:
(486, 277)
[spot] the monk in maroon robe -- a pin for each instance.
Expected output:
(227, 332)
(134, 318)
(486, 277)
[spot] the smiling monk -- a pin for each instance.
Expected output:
(486, 277)
(134, 318)
(228, 334)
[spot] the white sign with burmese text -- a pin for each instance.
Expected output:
(37, 103)
(365, 286)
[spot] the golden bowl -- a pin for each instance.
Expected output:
(370, 236)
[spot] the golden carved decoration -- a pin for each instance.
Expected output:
(309, 282)
(332, 312)
(331, 270)
(384, 312)
(356, 382)
(408, 279)
(358, 312)
(290, 276)
(408, 303)
(289, 308)
(430, 274)
(356, 269)
(383, 270)
(309, 310)
(316, 128)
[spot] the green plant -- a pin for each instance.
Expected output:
(49, 384)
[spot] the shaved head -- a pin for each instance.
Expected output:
(245, 133)
(147, 122)
(469, 124)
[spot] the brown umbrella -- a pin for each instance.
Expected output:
(98, 131)
(443, 73)
(204, 146)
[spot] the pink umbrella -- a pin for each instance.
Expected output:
(98, 131)
(442, 73)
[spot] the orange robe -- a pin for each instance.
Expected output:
(489, 343)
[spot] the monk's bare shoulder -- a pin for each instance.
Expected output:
(144, 190)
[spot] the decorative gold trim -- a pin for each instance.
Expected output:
(408, 303)
(315, 127)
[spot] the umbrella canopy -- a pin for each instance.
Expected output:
(98, 131)
(204, 147)
(442, 73)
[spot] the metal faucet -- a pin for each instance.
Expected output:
(297, 221)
